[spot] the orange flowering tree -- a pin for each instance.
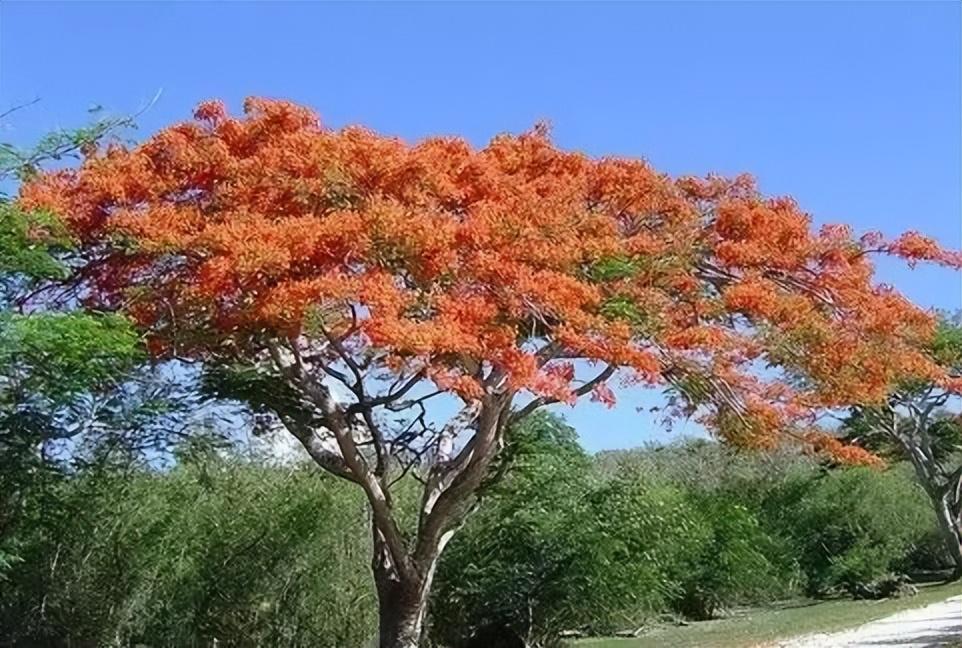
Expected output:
(351, 286)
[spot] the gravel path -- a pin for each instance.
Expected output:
(939, 624)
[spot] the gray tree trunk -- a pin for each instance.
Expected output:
(950, 530)
(401, 610)
(402, 598)
(940, 489)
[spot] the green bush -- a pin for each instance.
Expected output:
(254, 554)
(852, 526)
(736, 561)
(656, 532)
(560, 545)
(224, 549)
(529, 563)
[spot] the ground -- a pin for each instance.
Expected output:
(776, 628)
(938, 624)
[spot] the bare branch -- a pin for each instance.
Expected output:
(608, 371)
(371, 403)
(14, 109)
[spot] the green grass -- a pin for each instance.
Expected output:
(757, 627)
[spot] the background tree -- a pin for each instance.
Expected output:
(537, 558)
(75, 386)
(919, 422)
(355, 287)
(48, 361)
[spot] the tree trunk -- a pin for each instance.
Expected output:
(940, 496)
(401, 609)
(402, 598)
(950, 531)
(932, 480)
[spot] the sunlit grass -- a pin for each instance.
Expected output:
(758, 627)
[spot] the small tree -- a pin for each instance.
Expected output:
(916, 424)
(356, 288)
(76, 389)
(52, 364)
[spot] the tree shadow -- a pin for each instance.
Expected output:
(950, 636)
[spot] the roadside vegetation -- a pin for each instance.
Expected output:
(232, 546)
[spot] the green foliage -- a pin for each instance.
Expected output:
(28, 243)
(657, 534)
(217, 549)
(255, 554)
(851, 527)
(943, 432)
(565, 542)
(736, 560)
(781, 521)
(613, 268)
(622, 308)
(33, 243)
(24, 163)
(50, 366)
(61, 354)
(255, 387)
(692, 513)
(523, 566)
(65, 374)
(947, 345)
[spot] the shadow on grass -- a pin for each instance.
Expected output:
(948, 637)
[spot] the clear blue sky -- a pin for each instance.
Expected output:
(853, 108)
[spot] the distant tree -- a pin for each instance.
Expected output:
(920, 422)
(73, 382)
(49, 361)
(353, 286)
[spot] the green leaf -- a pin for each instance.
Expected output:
(61, 354)
(614, 268)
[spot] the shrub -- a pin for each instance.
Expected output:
(528, 564)
(852, 526)
(249, 555)
(737, 560)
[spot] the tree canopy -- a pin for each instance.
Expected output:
(460, 265)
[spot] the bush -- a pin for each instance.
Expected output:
(737, 560)
(852, 526)
(529, 563)
(253, 554)
(553, 548)
(246, 554)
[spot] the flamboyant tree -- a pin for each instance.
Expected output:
(353, 286)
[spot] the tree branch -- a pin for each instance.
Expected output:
(578, 393)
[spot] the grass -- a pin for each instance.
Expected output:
(757, 627)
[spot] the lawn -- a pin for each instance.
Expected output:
(758, 626)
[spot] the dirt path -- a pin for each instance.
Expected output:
(938, 624)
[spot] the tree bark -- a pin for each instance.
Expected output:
(402, 597)
(401, 609)
(950, 531)
(940, 490)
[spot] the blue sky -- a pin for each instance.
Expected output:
(853, 108)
